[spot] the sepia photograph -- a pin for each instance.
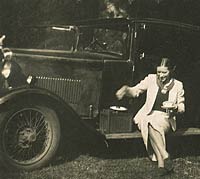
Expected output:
(100, 89)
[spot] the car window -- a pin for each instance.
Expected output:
(181, 45)
(105, 40)
(57, 38)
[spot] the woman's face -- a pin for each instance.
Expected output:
(163, 74)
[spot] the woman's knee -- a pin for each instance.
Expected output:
(150, 128)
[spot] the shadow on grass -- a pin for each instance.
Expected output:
(77, 140)
(184, 146)
(7, 173)
(93, 145)
(84, 142)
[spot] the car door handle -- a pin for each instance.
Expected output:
(142, 56)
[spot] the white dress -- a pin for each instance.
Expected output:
(159, 120)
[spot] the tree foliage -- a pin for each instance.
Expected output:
(16, 15)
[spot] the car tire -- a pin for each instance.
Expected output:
(29, 137)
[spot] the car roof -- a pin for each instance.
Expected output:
(120, 23)
(125, 22)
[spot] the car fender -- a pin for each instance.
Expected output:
(23, 93)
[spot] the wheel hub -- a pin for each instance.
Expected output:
(26, 137)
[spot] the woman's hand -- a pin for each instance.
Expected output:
(1, 39)
(172, 111)
(121, 92)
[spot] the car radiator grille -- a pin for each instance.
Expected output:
(66, 88)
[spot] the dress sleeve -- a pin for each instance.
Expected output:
(141, 87)
(180, 99)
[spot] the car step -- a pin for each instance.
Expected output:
(137, 134)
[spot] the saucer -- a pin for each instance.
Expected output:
(168, 107)
(118, 108)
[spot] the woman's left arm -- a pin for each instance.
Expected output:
(180, 99)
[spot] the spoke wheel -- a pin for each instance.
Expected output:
(30, 137)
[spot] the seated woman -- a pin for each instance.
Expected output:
(11, 75)
(164, 99)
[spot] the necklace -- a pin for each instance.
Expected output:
(165, 87)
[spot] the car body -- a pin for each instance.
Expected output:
(96, 57)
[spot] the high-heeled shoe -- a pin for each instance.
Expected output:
(168, 164)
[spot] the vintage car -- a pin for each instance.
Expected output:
(77, 69)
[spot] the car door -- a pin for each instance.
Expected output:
(179, 42)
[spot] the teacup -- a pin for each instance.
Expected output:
(168, 104)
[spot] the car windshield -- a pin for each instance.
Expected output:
(72, 38)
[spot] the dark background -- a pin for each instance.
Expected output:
(16, 15)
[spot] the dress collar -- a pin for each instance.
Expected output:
(165, 87)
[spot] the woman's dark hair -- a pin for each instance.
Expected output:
(166, 62)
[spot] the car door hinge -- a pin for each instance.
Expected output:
(135, 35)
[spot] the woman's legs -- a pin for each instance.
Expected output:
(157, 153)
(158, 143)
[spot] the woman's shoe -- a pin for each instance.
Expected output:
(162, 171)
(168, 164)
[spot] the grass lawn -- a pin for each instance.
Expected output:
(123, 160)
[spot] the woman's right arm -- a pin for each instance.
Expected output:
(134, 91)
(1, 40)
(1, 46)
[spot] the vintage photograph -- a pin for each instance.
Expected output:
(100, 89)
